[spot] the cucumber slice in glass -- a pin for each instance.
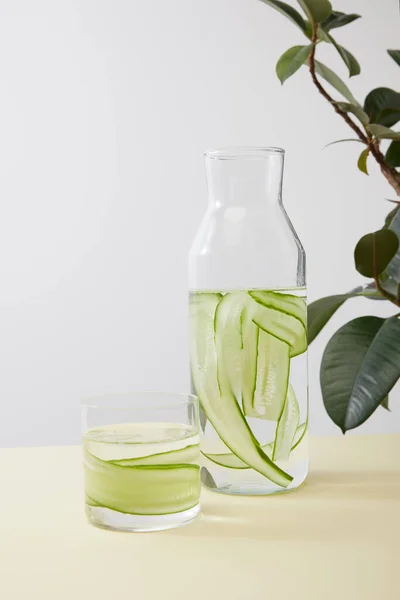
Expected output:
(231, 461)
(141, 490)
(273, 364)
(287, 427)
(181, 456)
(216, 327)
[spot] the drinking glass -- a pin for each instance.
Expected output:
(141, 460)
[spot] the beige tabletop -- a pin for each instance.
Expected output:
(337, 537)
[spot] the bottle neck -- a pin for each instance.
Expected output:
(245, 177)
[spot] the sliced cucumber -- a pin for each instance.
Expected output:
(287, 427)
(212, 380)
(300, 433)
(182, 456)
(288, 303)
(282, 318)
(231, 461)
(273, 364)
(141, 490)
(250, 333)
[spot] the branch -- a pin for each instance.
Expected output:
(392, 176)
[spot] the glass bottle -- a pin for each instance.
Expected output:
(248, 336)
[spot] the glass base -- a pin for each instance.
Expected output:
(116, 521)
(249, 483)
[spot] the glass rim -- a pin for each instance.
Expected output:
(244, 152)
(104, 401)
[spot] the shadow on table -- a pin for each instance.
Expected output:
(329, 506)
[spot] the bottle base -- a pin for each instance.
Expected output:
(250, 483)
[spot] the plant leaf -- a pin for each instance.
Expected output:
(349, 60)
(320, 311)
(291, 13)
(362, 161)
(316, 10)
(395, 54)
(335, 81)
(345, 140)
(392, 273)
(385, 403)
(393, 154)
(374, 252)
(355, 110)
(383, 133)
(360, 366)
(338, 19)
(203, 418)
(206, 478)
(291, 61)
(382, 105)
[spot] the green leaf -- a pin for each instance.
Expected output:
(203, 418)
(345, 140)
(349, 60)
(321, 311)
(289, 12)
(383, 133)
(360, 366)
(206, 478)
(362, 161)
(291, 61)
(393, 154)
(335, 82)
(316, 10)
(338, 19)
(371, 292)
(395, 54)
(385, 403)
(382, 105)
(355, 110)
(392, 272)
(374, 252)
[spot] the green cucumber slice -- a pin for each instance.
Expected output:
(231, 461)
(141, 490)
(282, 318)
(182, 456)
(288, 303)
(212, 382)
(286, 427)
(273, 365)
(300, 433)
(250, 333)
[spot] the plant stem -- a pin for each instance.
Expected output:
(391, 175)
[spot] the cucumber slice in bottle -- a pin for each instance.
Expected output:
(281, 318)
(231, 461)
(141, 490)
(214, 318)
(273, 364)
(288, 303)
(287, 427)
(300, 433)
(182, 456)
(250, 333)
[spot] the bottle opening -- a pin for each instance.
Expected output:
(244, 152)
